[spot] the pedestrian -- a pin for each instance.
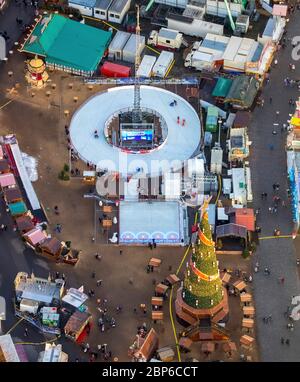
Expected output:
(287, 341)
(26, 332)
(271, 99)
(93, 275)
(282, 340)
(150, 245)
(121, 251)
(99, 282)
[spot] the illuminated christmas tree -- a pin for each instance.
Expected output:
(202, 294)
(202, 287)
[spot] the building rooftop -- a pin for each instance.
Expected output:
(37, 289)
(103, 4)
(74, 297)
(222, 87)
(118, 6)
(53, 353)
(168, 33)
(84, 3)
(8, 352)
(68, 43)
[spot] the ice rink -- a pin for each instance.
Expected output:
(143, 221)
(180, 144)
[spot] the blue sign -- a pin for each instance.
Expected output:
(137, 135)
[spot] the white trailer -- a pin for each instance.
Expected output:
(195, 27)
(146, 66)
(216, 160)
(129, 50)
(163, 64)
(115, 49)
(199, 60)
(29, 306)
(166, 38)
(218, 8)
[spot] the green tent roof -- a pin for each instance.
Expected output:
(243, 91)
(18, 208)
(68, 43)
(222, 87)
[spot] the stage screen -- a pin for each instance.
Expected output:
(137, 135)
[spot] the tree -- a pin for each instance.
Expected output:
(202, 287)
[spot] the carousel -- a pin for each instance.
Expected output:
(36, 74)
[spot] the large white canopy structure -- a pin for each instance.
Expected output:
(181, 142)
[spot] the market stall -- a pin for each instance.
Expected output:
(24, 224)
(17, 209)
(34, 237)
(76, 324)
(12, 195)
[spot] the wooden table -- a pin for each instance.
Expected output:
(226, 278)
(154, 262)
(248, 323)
(172, 279)
(248, 311)
(161, 289)
(107, 209)
(107, 223)
(157, 315)
(157, 301)
(240, 285)
(185, 343)
(246, 297)
(246, 341)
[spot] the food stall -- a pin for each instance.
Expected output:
(51, 247)
(76, 325)
(24, 224)
(7, 180)
(4, 166)
(12, 195)
(34, 237)
(17, 209)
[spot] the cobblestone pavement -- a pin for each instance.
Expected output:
(8, 23)
(269, 167)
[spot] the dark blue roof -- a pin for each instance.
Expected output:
(257, 53)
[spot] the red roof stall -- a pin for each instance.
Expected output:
(109, 69)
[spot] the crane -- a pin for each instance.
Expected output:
(137, 88)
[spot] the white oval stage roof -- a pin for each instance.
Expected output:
(180, 144)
